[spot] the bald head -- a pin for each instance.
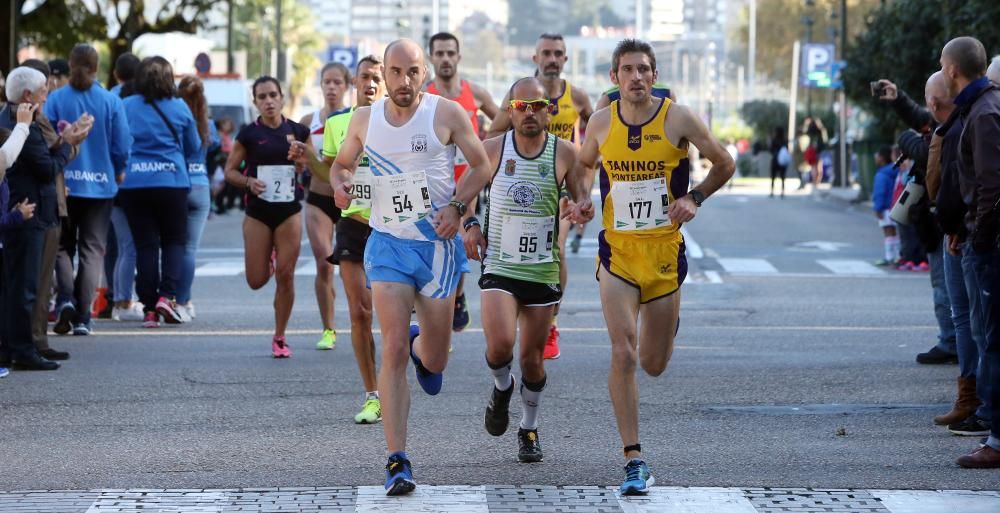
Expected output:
(404, 49)
(968, 56)
(405, 71)
(993, 72)
(939, 101)
(527, 88)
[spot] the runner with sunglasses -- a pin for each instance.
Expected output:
(272, 229)
(568, 120)
(642, 142)
(520, 280)
(445, 56)
(414, 256)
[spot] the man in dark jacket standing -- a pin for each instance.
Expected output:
(963, 63)
(32, 177)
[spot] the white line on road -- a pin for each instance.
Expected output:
(171, 332)
(921, 501)
(693, 248)
(231, 267)
(747, 266)
(852, 267)
(713, 276)
(425, 499)
(197, 502)
(687, 500)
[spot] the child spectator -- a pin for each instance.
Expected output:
(882, 195)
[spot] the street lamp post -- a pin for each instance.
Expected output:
(278, 44)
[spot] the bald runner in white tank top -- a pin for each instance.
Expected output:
(413, 178)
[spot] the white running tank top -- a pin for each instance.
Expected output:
(316, 128)
(409, 149)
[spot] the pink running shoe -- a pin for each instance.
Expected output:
(168, 309)
(151, 320)
(280, 348)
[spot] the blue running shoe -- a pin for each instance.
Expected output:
(461, 320)
(4, 372)
(637, 478)
(429, 381)
(398, 476)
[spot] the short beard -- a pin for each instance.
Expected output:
(413, 98)
(530, 132)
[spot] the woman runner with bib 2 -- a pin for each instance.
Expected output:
(272, 229)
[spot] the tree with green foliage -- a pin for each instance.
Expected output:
(902, 41)
(56, 25)
(763, 116)
(254, 31)
(779, 24)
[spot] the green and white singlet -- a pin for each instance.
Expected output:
(522, 215)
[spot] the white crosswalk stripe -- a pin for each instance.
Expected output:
(480, 499)
(425, 499)
(851, 267)
(747, 266)
(687, 500)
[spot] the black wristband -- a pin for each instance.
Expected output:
(630, 448)
(470, 222)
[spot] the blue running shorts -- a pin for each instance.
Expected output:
(433, 268)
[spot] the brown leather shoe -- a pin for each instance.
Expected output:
(965, 405)
(983, 457)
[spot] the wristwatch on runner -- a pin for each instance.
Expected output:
(697, 197)
(461, 207)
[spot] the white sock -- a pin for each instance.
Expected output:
(371, 395)
(895, 246)
(529, 402)
(502, 378)
(888, 249)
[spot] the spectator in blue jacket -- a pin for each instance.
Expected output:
(192, 91)
(92, 181)
(885, 182)
(154, 193)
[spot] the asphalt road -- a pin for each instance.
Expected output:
(797, 373)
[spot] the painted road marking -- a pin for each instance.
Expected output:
(851, 267)
(747, 266)
(687, 500)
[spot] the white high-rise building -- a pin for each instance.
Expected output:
(332, 17)
(460, 10)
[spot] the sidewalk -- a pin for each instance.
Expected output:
(502, 499)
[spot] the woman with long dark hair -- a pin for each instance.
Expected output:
(199, 202)
(155, 190)
(272, 229)
(92, 180)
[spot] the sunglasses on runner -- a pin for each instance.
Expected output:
(530, 105)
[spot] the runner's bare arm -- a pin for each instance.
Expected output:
(501, 123)
(691, 129)
(475, 242)
(485, 101)
(451, 114)
(478, 174)
(602, 102)
(586, 160)
(582, 103)
(346, 162)
(233, 174)
(566, 154)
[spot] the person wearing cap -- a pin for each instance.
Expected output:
(58, 73)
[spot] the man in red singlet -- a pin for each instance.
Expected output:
(445, 56)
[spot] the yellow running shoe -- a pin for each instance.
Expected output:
(371, 412)
(329, 340)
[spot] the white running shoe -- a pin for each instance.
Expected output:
(189, 308)
(132, 313)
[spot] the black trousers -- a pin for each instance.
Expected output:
(20, 267)
(157, 218)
